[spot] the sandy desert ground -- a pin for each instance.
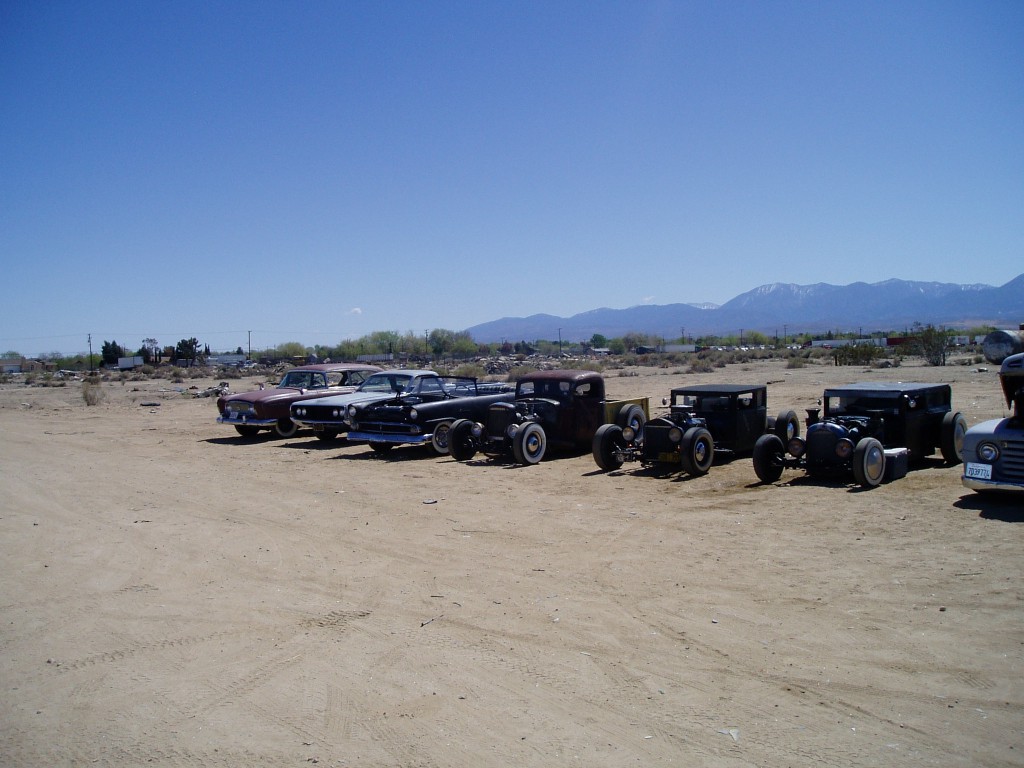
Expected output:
(174, 595)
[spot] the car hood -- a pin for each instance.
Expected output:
(335, 401)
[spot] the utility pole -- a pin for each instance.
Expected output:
(249, 356)
(559, 342)
(90, 353)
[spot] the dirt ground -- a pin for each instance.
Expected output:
(174, 595)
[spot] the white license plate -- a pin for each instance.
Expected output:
(978, 471)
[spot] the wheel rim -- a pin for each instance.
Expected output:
(874, 463)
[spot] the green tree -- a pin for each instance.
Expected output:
(110, 351)
(598, 341)
(931, 343)
(290, 349)
(187, 350)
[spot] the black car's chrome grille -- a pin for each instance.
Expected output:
(821, 447)
(656, 441)
(498, 420)
(387, 428)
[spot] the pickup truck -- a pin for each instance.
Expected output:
(993, 451)
(703, 421)
(423, 418)
(561, 409)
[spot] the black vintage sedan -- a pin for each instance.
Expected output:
(420, 420)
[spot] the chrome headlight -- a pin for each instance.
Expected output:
(300, 411)
(477, 430)
(675, 434)
(988, 452)
(796, 446)
(628, 434)
(844, 448)
(351, 411)
(413, 414)
(511, 431)
(335, 413)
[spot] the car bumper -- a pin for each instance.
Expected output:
(246, 421)
(976, 484)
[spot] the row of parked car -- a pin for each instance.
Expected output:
(872, 431)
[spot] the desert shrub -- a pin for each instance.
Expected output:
(92, 391)
(701, 366)
(796, 362)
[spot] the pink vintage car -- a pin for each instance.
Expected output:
(249, 412)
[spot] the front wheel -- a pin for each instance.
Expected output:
(697, 451)
(439, 439)
(769, 458)
(460, 440)
(868, 462)
(529, 444)
(607, 440)
(954, 427)
(247, 431)
(285, 428)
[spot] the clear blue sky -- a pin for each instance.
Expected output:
(315, 171)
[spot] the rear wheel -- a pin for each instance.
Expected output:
(439, 440)
(460, 440)
(954, 426)
(868, 462)
(247, 431)
(607, 439)
(787, 426)
(285, 428)
(697, 451)
(529, 444)
(769, 458)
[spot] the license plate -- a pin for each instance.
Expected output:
(978, 471)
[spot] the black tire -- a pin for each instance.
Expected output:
(697, 451)
(954, 426)
(285, 428)
(631, 415)
(247, 431)
(769, 458)
(327, 435)
(787, 426)
(461, 445)
(439, 439)
(381, 449)
(530, 443)
(607, 438)
(868, 462)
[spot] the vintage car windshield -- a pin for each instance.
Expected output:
(304, 380)
(861, 406)
(395, 383)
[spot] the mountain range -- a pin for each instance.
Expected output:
(785, 308)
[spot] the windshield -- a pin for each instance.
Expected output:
(395, 383)
(303, 380)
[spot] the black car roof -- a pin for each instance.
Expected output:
(882, 389)
(720, 389)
